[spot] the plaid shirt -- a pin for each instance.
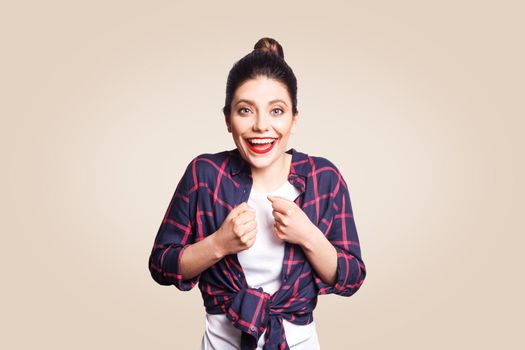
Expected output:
(212, 185)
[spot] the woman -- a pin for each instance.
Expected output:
(264, 230)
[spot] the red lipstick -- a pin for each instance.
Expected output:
(261, 149)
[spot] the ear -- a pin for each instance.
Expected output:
(294, 122)
(228, 125)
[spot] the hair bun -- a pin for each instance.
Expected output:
(269, 45)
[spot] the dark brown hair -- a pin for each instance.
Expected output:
(266, 59)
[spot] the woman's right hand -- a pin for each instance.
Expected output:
(238, 230)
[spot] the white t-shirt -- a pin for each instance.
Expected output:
(220, 334)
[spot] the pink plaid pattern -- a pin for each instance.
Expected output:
(212, 185)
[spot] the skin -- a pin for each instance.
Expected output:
(262, 107)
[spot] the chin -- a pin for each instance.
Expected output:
(263, 163)
(259, 163)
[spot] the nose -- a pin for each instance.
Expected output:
(262, 122)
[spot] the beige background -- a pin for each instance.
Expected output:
(419, 104)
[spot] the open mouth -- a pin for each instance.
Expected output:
(261, 146)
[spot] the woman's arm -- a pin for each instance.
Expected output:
(322, 255)
(198, 256)
(236, 233)
(341, 232)
(175, 234)
(293, 225)
(331, 248)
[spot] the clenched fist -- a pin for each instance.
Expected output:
(238, 230)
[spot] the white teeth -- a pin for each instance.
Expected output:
(261, 141)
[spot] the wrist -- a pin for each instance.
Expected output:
(312, 240)
(217, 252)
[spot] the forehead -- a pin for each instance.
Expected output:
(261, 89)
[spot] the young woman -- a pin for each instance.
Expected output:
(262, 229)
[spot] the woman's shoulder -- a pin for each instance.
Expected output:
(207, 162)
(323, 165)
(215, 157)
(203, 168)
(326, 172)
(321, 161)
(306, 162)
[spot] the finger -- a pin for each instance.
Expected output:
(236, 211)
(237, 214)
(274, 198)
(240, 227)
(252, 241)
(281, 204)
(246, 228)
(245, 217)
(241, 208)
(250, 235)
(281, 229)
(249, 243)
(280, 218)
(276, 233)
(250, 225)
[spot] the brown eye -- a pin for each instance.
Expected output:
(243, 109)
(277, 111)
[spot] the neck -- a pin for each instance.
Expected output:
(270, 178)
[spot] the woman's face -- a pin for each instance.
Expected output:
(262, 109)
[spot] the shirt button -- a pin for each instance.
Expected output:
(252, 328)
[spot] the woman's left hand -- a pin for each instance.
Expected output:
(291, 222)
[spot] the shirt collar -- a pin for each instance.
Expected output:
(300, 163)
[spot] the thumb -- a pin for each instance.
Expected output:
(241, 207)
(244, 207)
(274, 198)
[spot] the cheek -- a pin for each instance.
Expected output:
(239, 125)
(236, 131)
(285, 128)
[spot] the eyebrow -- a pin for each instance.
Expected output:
(252, 103)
